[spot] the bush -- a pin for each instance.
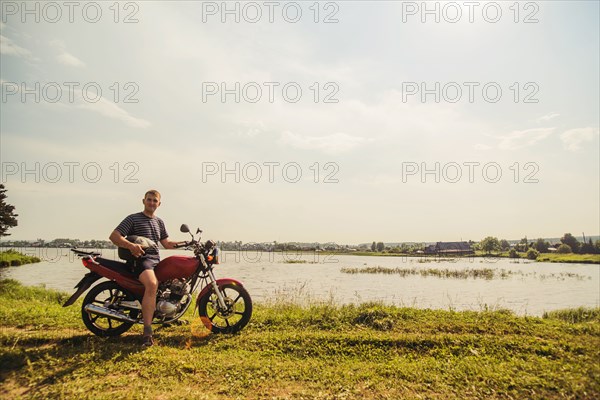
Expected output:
(532, 254)
(4, 263)
(513, 253)
(15, 263)
(376, 319)
(564, 249)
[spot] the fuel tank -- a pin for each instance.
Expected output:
(175, 267)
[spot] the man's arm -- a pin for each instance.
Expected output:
(168, 244)
(119, 241)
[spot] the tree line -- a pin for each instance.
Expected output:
(568, 243)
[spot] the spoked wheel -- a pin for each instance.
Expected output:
(231, 319)
(109, 295)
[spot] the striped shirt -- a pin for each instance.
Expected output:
(141, 225)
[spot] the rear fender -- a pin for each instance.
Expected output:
(83, 285)
(220, 282)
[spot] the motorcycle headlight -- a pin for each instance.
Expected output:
(213, 256)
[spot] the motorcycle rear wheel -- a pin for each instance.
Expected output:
(107, 294)
(234, 318)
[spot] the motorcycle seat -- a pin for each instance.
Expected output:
(118, 266)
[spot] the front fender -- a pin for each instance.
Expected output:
(220, 282)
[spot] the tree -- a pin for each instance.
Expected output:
(564, 249)
(380, 246)
(522, 245)
(489, 244)
(570, 240)
(587, 248)
(7, 216)
(532, 254)
(541, 245)
(373, 246)
(504, 245)
(513, 253)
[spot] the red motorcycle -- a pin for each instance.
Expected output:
(110, 308)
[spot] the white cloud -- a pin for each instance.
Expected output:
(573, 139)
(331, 144)
(252, 128)
(102, 106)
(481, 146)
(111, 110)
(8, 47)
(547, 117)
(525, 138)
(64, 57)
(69, 60)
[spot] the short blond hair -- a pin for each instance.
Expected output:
(152, 192)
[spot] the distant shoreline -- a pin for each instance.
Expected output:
(544, 257)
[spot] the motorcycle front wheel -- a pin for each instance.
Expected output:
(236, 314)
(109, 295)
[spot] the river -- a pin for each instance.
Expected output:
(528, 288)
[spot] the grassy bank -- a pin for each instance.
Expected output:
(570, 258)
(322, 351)
(14, 258)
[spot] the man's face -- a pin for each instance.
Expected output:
(151, 203)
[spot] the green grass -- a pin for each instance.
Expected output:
(320, 351)
(570, 258)
(575, 315)
(14, 258)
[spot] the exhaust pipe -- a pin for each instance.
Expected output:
(106, 312)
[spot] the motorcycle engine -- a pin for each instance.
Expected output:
(172, 295)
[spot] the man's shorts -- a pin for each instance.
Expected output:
(147, 261)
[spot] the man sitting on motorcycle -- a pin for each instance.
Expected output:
(148, 225)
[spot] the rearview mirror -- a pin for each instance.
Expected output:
(184, 228)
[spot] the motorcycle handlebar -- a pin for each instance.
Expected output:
(193, 242)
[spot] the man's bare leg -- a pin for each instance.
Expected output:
(148, 279)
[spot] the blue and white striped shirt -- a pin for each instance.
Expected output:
(141, 225)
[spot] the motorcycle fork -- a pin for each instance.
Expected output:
(217, 291)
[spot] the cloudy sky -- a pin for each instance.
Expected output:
(347, 121)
